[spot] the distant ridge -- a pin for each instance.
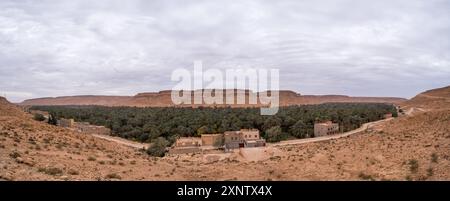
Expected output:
(163, 99)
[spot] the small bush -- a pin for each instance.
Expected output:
(366, 176)
(434, 158)
(408, 178)
(90, 158)
(73, 172)
(158, 148)
(413, 165)
(51, 171)
(39, 117)
(14, 154)
(430, 172)
(113, 176)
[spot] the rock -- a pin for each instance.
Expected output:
(29, 162)
(19, 160)
(379, 158)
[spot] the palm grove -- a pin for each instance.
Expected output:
(164, 125)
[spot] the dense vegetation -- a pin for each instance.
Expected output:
(148, 124)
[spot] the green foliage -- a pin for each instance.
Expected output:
(148, 124)
(158, 147)
(300, 130)
(39, 117)
(273, 134)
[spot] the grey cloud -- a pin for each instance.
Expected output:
(365, 48)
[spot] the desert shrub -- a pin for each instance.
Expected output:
(434, 158)
(158, 147)
(73, 172)
(14, 154)
(413, 165)
(366, 176)
(113, 176)
(430, 172)
(39, 117)
(90, 158)
(51, 171)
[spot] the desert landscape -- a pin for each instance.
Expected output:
(163, 99)
(413, 146)
(224, 92)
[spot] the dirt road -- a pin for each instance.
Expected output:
(330, 137)
(122, 141)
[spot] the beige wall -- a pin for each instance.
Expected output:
(250, 134)
(211, 139)
(188, 142)
(66, 122)
(322, 129)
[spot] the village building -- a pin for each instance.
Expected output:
(67, 123)
(212, 140)
(228, 140)
(251, 138)
(243, 138)
(233, 140)
(185, 145)
(325, 128)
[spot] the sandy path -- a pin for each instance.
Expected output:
(122, 141)
(330, 137)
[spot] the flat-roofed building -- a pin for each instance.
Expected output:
(68, 123)
(184, 145)
(243, 138)
(233, 139)
(325, 128)
(250, 134)
(215, 140)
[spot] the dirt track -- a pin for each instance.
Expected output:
(330, 137)
(122, 141)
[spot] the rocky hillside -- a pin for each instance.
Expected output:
(163, 99)
(31, 150)
(432, 99)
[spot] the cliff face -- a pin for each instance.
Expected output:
(163, 99)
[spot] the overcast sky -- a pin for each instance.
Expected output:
(360, 48)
